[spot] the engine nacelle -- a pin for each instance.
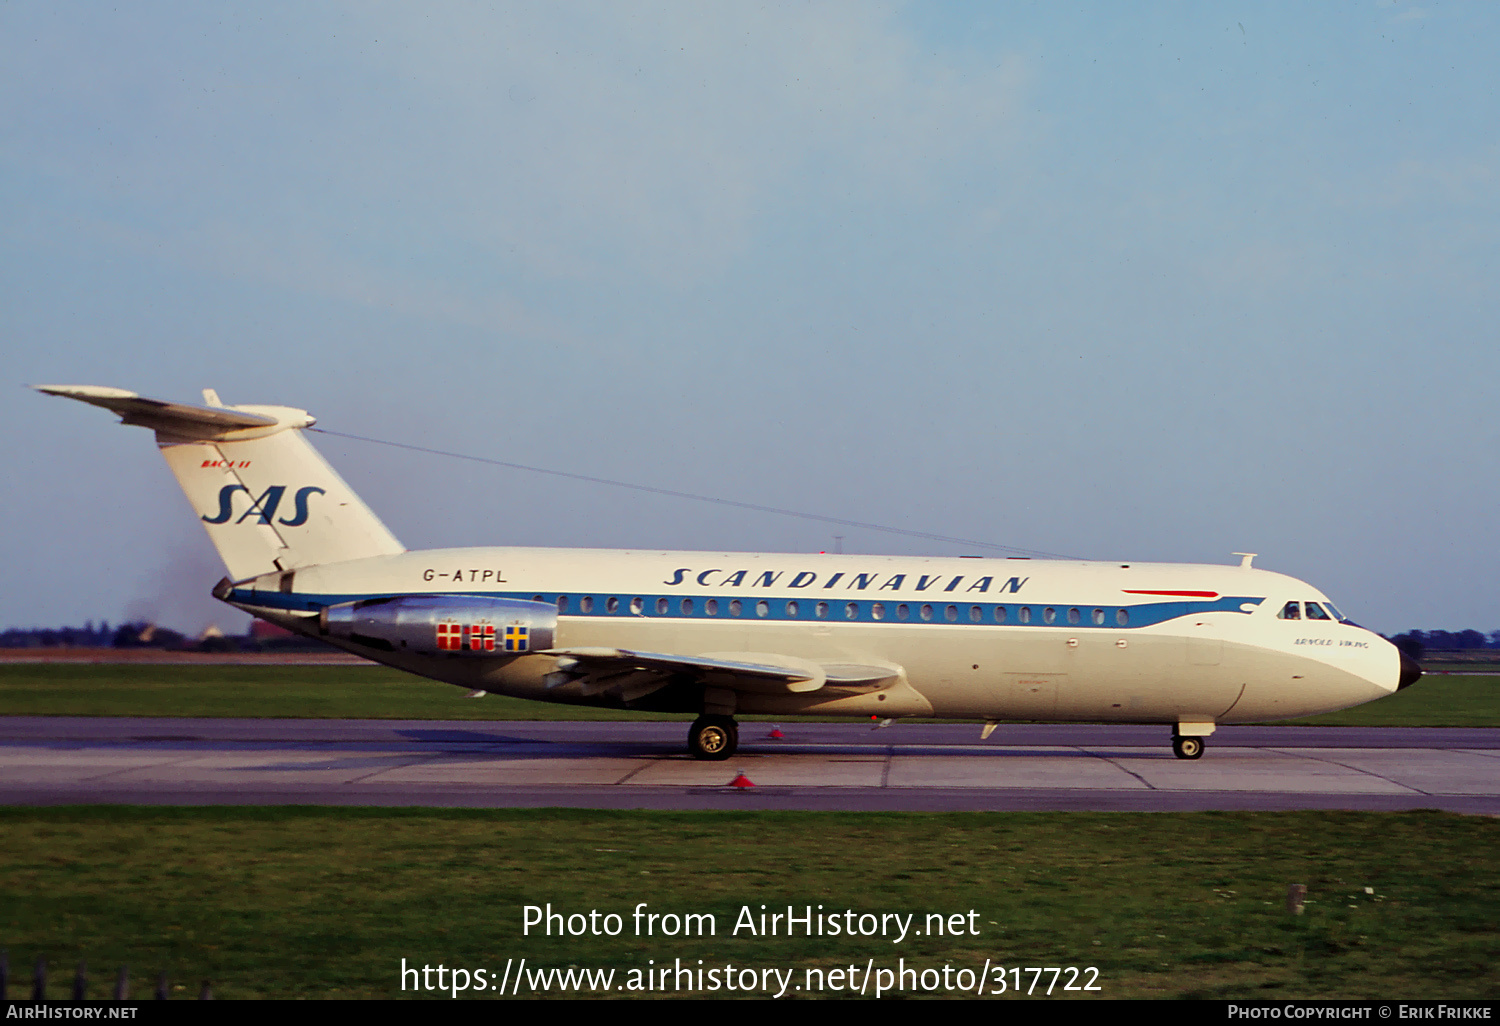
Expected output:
(456, 625)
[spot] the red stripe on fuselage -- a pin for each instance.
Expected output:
(1175, 594)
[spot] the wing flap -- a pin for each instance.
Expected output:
(597, 670)
(859, 677)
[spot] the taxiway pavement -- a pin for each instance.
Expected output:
(918, 767)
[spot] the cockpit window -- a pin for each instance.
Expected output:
(1290, 611)
(1334, 610)
(1315, 612)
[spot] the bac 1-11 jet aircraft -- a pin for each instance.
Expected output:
(721, 633)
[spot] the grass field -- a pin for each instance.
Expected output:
(289, 902)
(359, 692)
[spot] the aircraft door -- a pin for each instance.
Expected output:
(1214, 685)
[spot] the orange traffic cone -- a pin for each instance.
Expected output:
(741, 781)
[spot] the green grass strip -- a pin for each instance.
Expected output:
(298, 692)
(311, 902)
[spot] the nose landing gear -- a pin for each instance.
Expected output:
(713, 738)
(1187, 747)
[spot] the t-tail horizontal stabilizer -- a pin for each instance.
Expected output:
(266, 497)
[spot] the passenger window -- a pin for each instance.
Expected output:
(637, 605)
(762, 608)
(735, 607)
(821, 610)
(791, 609)
(586, 604)
(562, 603)
(1122, 617)
(661, 607)
(1049, 614)
(951, 613)
(926, 612)
(687, 607)
(1315, 612)
(877, 611)
(1074, 616)
(903, 612)
(1098, 618)
(851, 611)
(999, 614)
(1024, 615)
(612, 604)
(711, 607)
(975, 614)
(1290, 611)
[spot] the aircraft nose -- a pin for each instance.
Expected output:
(1410, 671)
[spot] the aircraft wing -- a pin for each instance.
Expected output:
(633, 674)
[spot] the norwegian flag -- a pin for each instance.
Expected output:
(450, 637)
(482, 637)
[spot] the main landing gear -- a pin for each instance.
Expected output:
(1187, 747)
(713, 738)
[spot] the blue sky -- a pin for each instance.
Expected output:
(1141, 282)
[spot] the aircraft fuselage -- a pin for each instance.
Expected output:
(972, 637)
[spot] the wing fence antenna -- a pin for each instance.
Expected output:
(673, 493)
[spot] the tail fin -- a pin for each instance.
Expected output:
(267, 499)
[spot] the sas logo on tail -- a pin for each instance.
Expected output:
(265, 506)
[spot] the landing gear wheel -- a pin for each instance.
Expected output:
(1187, 747)
(713, 738)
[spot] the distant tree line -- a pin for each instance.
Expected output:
(87, 636)
(127, 635)
(147, 635)
(1418, 643)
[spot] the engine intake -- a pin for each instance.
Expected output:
(454, 625)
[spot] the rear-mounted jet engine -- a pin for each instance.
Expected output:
(453, 625)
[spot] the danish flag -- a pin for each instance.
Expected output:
(449, 637)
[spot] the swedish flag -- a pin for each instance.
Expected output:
(517, 638)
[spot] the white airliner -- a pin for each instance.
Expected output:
(721, 633)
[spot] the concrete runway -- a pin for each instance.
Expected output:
(919, 767)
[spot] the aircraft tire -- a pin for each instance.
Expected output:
(1187, 747)
(713, 738)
